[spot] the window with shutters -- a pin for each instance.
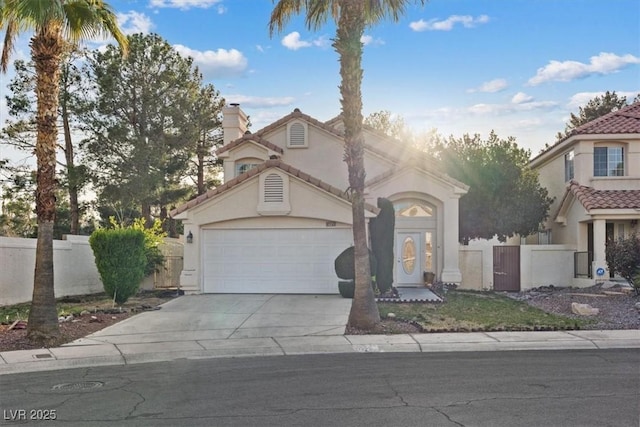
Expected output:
(297, 135)
(274, 193)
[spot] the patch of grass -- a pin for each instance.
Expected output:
(471, 311)
(11, 313)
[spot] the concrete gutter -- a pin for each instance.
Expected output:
(159, 348)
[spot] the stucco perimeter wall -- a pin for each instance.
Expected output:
(75, 271)
(540, 265)
(74, 267)
(544, 265)
(476, 266)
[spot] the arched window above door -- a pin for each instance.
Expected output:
(413, 208)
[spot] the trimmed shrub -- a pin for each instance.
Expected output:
(120, 258)
(346, 288)
(345, 264)
(623, 257)
(153, 238)
(382, 233)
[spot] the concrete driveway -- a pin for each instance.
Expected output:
(226, 316)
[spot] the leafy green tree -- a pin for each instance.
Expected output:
(391, 125)
(54, 22)
(141, 137)
(596, 107)
(394, 126)
(351, 17)
(623, 257)
(21, 130)
(17, 218)
(206, 116)
(505, 197)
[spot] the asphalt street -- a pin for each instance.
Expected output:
(525, 388)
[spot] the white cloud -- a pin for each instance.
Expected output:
(293, 41)
(218, 63)
(565, 71)
(467, 21)
(259, 102)
(186, 4)
(580, 99)
(369, 40)
(521, 98)
(133, 22)
(495, 85)
(498, 109)
(484, 108)
(528, 123)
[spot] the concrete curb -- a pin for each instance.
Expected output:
(93, 352)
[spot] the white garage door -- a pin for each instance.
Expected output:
(298, 261)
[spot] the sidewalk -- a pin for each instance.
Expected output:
(245, 325)
(195, 345)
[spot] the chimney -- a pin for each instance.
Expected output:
(234, 123)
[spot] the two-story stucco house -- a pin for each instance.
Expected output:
(282, 215)
(594, 175)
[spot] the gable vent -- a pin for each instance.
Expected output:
(273, 189)
(296, 135)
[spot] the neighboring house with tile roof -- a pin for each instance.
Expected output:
(283, 213)
(594, 175)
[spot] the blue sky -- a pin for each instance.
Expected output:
(460, 66)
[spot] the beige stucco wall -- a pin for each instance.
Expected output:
(472, 266)
(414, 183)
(238, 208)
(551, 177)
(544, 265)
(540, 265)
(242, 202)
(322, 158)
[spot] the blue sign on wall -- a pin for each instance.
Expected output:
(600, 271)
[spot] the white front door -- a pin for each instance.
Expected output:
(409, 258)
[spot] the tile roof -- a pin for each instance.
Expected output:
(297, 114)
(624, 120)
(250, 137)
(591, 198)
(256, 171)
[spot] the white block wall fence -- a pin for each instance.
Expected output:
(74, 267)
(75, 271)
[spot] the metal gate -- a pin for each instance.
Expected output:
(506, 268)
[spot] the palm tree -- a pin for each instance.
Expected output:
(351, 17)
(54, 22)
